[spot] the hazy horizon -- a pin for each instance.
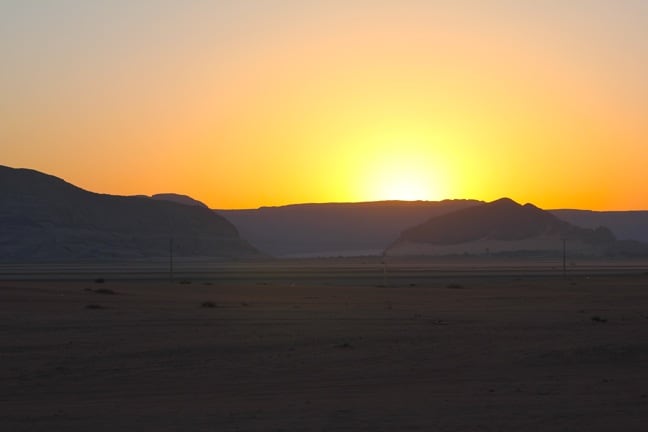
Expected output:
(309, 203)
(276, 102)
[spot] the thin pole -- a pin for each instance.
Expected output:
(564, 241)
(171, 259)
(384, 270)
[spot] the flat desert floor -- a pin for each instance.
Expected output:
(338, 351)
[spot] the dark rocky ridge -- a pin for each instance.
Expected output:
(331, 229)
(506, 227)
(503, 219)
(45, 218)
(179, 199)
(626, 225)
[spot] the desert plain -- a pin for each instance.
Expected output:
(325, 345)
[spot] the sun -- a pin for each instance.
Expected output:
(402, 182)
(405, 187)
(391, 169)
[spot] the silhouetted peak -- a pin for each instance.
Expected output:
(36, 208)
(23, 183)
(532, 206)
(503, 219)
(504, 202)
(179, 199)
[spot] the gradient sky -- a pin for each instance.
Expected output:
(247, 103)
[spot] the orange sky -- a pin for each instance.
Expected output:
(244, 104)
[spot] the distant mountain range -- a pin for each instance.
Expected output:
(626, 225)
(334, 229)
(342, 229)
(505, 227)
(44, 218)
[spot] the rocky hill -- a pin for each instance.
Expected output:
(43, 218)
(626, 225)
(332, 229)
(502, 226)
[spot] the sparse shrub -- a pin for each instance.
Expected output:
(454, 286)
(94, 306)
(185, 282)
(208, 304)
(599, 319)
(439, 322)
(344, 345)
(99, 280)
(106, 291)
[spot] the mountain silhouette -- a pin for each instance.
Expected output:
(626, 225)
(500, 226)
(42, 217)
(180, 199)
(332, 229)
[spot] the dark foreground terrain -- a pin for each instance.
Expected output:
(328, 349)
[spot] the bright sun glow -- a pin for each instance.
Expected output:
(405, 187)
(403, 178)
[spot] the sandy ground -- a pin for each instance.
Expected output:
(490, 352)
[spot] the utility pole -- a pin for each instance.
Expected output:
(564, 256)
(171, 259)
(384, 263)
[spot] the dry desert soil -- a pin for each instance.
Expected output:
(325, 348)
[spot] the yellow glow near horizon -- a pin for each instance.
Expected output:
(401, 173)
(248, 104)
(404, 187)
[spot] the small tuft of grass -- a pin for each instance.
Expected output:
(439, 322)
(185, 282)
(208, 304)
(599, 319)
(344, 345)
(94, 306)
(106, 291)
(455, 286)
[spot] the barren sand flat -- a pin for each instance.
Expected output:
(492, 353)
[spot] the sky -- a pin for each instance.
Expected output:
(249, 103)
